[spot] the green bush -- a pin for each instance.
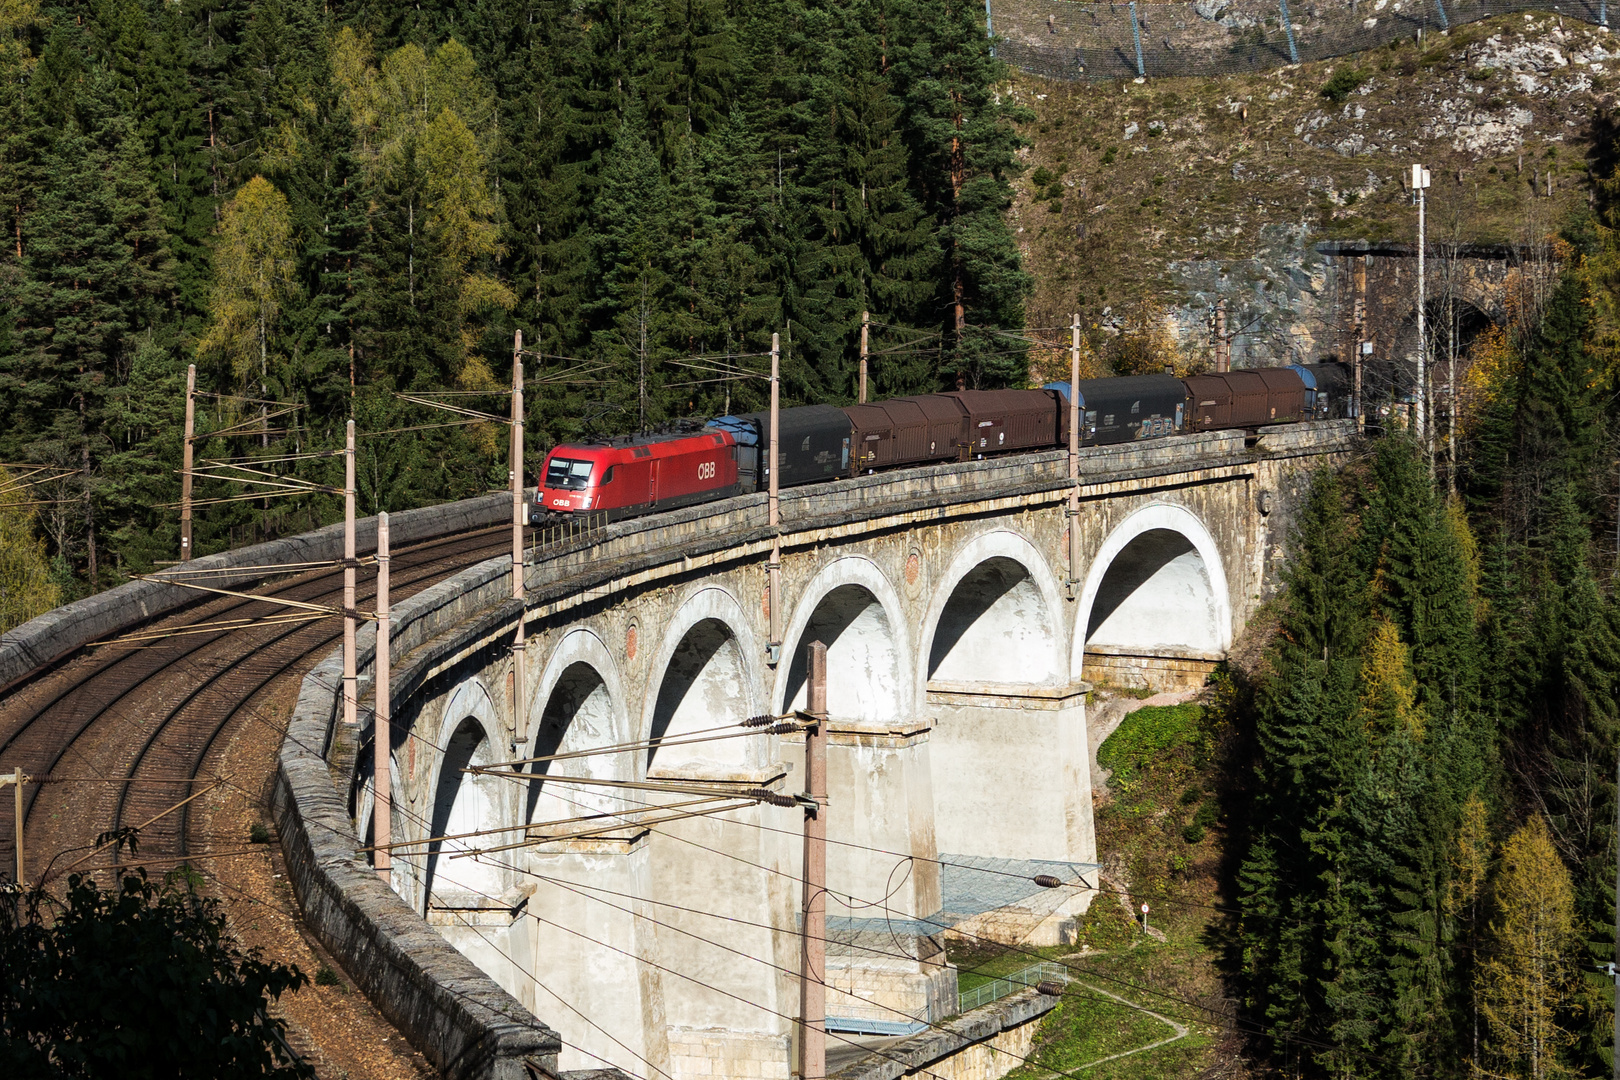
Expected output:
(1344, 82)
(325, 976)
(1041, 177)
(1149, 734)
(258, 834)
(138, 980)
(1112, 153)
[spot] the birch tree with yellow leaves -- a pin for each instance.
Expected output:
(253, 278)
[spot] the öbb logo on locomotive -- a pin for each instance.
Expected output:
(728, 455)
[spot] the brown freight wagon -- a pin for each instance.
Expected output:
(1244, 399)
(1209, 400)
(904, 430)
(999, 420)
(1285, 393)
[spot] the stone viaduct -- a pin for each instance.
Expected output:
(961, 650)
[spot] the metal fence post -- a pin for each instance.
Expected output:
(1136, 35)
(1288, 26)
(1439, 6)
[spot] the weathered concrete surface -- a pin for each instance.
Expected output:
(38, 643)
(985, 1044)
(957, 645)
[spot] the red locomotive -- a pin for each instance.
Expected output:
(639, 475)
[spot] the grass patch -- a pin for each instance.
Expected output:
(1147, 736)
(1088, 1026)
(977, 965)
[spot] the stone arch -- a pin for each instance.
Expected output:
(995, 617)
(703, 677)
(851, 607)
(1157, 586)
(578, 704)
(469, 735)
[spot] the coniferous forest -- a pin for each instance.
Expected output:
(323, 204)
(1422, 849)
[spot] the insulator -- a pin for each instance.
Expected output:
(1047, 881)
(1049, 987)
(787, 727)
(772, 797)
(758, 721)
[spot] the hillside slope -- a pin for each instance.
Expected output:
(1176, 191)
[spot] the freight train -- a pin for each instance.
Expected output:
(644, 473)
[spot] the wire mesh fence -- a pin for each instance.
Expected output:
(996, 989)
(1068, 39)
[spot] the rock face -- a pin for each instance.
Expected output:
(1278, 299)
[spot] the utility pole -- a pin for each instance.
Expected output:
(1074, 456)
(1451, 382)
(351, 708)
(866, 320)
(382, 730)
(520, 723)
(813, 971)
(185, 463)
(1223, 347)
(1420, 182)
(17, 780)
(773, 569)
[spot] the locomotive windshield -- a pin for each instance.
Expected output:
(567, 474)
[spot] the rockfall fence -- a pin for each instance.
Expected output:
(1074, 40)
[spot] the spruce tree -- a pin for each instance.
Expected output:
(963, 150)
(93, 271)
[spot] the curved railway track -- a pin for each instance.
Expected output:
(120, 735)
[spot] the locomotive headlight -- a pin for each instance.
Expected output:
(585, 502)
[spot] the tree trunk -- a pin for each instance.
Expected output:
(89, 517)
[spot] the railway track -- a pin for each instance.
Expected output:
(120, 735)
